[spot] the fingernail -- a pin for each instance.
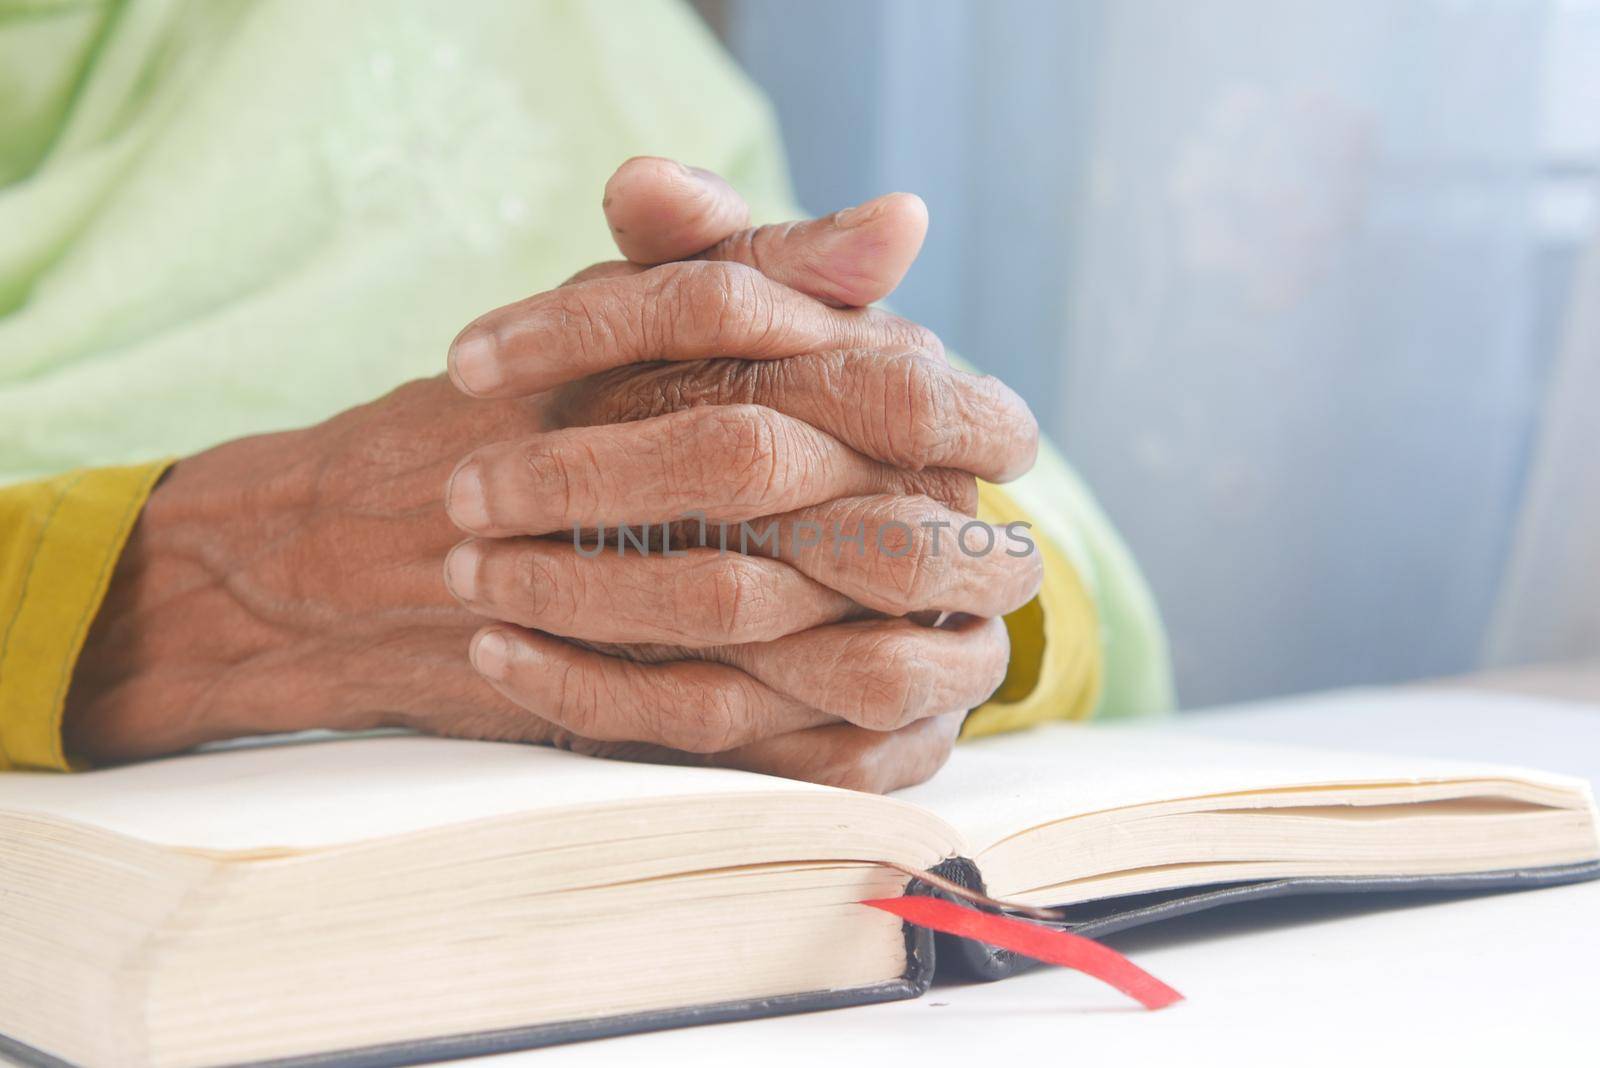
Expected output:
(461, 570)
(465, 501)
(700, 175)
(491, 654)
(473, 362)
(853, 217)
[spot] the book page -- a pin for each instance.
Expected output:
(303, 795)
(995, 787)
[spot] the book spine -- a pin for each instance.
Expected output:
(962, 958)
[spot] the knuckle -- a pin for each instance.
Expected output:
(736, 592)
(544, 596)
(552, 477)
(927, 578)
(927, 340)
(913, 573)
(744, 449)
(921, 422)
(705, 294)
(890, 686)
(650, 707)
(898, 577)
(706, 721)
(591, 320)
(906, 578)
(578, 702)
(739, 303)
(721, 304)
(726, 280)
(672, 300)
(995, 410)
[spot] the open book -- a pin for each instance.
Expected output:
(397, 899)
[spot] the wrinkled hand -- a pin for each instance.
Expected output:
(292, 581)
(822, 380)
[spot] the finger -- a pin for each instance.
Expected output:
(608, 269)
(694, 598)
(850, 258)
(852, 757)
(725, 464)
(956, 490)
(680, 311)
(660, 210)
(883, 674)
(905, 408)
(691, 705)
(899, 555)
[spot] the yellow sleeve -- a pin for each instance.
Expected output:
(1057, 662)
(59, 541)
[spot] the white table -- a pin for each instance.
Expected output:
(1510, 978)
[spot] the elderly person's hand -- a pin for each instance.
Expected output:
(291, 581)
(833, 392)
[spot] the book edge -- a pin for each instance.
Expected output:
(918, 976)
(924, 950)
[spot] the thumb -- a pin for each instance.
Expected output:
(659, 211)
(850, 258)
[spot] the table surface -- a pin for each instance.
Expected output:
(1376, 979)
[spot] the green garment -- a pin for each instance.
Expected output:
(223, 217)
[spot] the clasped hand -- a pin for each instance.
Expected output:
(719, 376)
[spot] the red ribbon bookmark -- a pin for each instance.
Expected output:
(1031, 940)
